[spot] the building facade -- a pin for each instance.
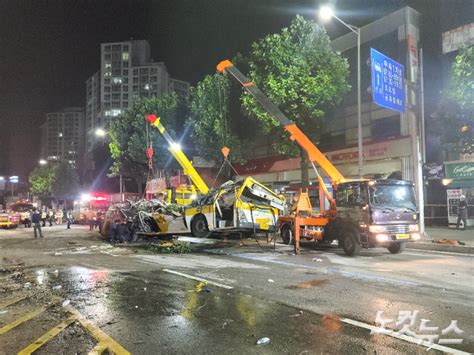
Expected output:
(62, 135)
(127, 72)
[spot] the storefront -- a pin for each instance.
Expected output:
(460, 181)
(381, 160)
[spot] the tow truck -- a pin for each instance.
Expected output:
(363, 213)
(245, 207)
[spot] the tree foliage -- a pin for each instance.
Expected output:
(300, 72)
(130, 136)
(462, 79)
(54, 180)
(41, 181)
(216, 121)
(66, 181)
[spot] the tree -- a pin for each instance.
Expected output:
(300, 72)
(216, 120)
(462, 80)
(130, 136)
(41, 181)
(54, 180)
(66, 181)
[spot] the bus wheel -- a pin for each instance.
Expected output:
(199, 228)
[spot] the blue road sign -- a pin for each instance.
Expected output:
(388, 88)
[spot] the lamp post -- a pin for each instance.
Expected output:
(325, 14)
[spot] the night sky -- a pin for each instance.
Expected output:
(49, 48)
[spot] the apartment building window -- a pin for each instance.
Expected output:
(107, 81)
(116, 88)
(125, 72)
(135, 79)
(107, 48)
(108, 65)
(116, 72)
(143, 70)
(386, 127)
(125, 56)
(106, 88)
(116, 47)
(126, 47)
(135, 71)
(154, 79)
(125, 104)
(125, 64)
(115, 104)
(125, 96)
(115, 96)
(125, 80)
(135, 88)
(154, 70)
(125, 88)
(106, 97)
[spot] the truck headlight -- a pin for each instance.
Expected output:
(413, 227)
(377, 229)
(382, 238)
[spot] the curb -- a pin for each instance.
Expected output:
(440, 247)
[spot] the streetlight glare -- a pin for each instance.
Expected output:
(42, 162)
(326, 13)
(175, 146)
(99, 132)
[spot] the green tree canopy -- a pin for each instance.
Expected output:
(58, 180)
(130, 136)
(41, 181)
(462, 80)
(216, 120)
(300, 72)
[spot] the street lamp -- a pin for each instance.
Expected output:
(325, 14)
(100, 132)
(43, 162)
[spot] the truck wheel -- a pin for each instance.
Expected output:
(396, 248)
(286, 233)
(199, 228)
(350, 243)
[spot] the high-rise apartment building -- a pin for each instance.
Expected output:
(126, 72)
(62, 135)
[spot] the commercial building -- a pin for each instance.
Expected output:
(62, 135)
(389, 138)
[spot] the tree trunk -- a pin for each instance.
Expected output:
(304, 168)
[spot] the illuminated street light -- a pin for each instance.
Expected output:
(100, 132)
(175, 146)
(43, 162)
(325, 14)
(2, 178)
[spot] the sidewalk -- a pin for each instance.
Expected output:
(448, 238)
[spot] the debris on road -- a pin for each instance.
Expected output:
(297, 314)
(312, 283)
(451, 242)
(170, 247)
(270, 280)
(57, 254)
(317, 260)
(263, 341)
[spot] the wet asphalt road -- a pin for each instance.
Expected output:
(296, 301)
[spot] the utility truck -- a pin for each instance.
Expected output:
(357, 213)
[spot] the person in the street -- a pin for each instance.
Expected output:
(91, 217)
(462, 212)
(36, 220)
(50, 217)
(59, 216)
(113, 232)
(69, 219)
(44, 215)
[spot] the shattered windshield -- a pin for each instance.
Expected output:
(396, 196)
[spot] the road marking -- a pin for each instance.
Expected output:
(198, 279)
(98, 349)
(38, 343)
(21, 320)
(103, 339)
(10, 302)
(439, 252)
(405, 337)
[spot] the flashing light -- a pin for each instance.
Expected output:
(85, 197)
(326, 13)
(14, 179)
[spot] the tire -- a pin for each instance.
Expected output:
(350, 242)
(286, 233)
(396, 248)
(199, 228)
